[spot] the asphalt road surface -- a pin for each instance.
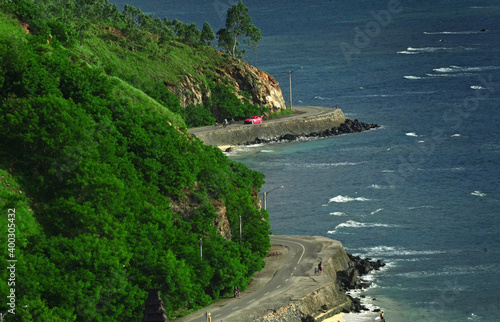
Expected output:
(288, 279)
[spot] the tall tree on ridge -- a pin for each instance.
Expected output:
(238, 23)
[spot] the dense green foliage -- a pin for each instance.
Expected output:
(111, 194)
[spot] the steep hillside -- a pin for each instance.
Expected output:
(103, 191)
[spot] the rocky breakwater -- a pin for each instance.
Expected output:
(351, 279)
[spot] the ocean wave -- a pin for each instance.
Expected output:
(477, 87)
(469, 32)
(456, 135)
(427, 50)
(452, 271)
(451, 75)
(340, 198)
(375, 211)
(328, 165)
(459, 69)
(337, 213)
(323, 98)
(357, 224)
(419, 207)
(415, 77)
(478, 193)
(406, 52)
(412, 134)
(388, 251)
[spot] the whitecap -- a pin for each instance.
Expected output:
(478, 193)
(419, 207)
(460, 69)
(389, 251)
(323, 98)
(340, 198)
(375, 186)
(452, 75)
(414, 77)
(411, 134)
(337, 213)
(467, 32)
(375, 211)
(357, 224)
(406, 52)
(456, 135)
(477, 87)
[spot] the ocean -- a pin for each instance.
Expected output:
(422, 192)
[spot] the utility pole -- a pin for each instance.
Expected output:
(265, 196)
(201, 248)
(290, 83)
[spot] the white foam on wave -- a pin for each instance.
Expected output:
(414, 77)
(419, 207)
(337, 213)
(428, 50)
(388, 251)
(477, 87)
(456, 135)
(460, 69)
(452, 75)
(376, 186)
(340, 198)
(412, 134)
(406, 52)
(452, 271)
(323, 98)
(467, 32)
(357, 224)
(376, 211)
(478, 193)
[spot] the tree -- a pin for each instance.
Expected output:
(207, 35)
(238, 24)
(254, 37)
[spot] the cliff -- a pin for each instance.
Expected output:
(264, 90)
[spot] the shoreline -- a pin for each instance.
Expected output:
(315, 121)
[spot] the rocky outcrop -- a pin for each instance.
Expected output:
(264, 90)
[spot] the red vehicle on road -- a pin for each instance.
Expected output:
(254, 120)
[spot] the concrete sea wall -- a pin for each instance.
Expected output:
(297, 125)
(323, 301)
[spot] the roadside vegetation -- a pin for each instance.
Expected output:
(112, 195)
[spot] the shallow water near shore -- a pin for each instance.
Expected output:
(422, 192)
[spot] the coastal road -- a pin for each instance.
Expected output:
(286, 280)
(301, 112)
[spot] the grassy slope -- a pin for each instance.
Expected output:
(109, 50)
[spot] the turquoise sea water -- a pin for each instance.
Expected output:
(422, 193)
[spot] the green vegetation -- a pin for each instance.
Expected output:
(238, 24)
(111, 194)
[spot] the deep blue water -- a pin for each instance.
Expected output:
(422, 193)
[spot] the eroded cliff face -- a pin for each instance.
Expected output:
(262, 87)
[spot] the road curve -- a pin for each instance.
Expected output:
(293, 279)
